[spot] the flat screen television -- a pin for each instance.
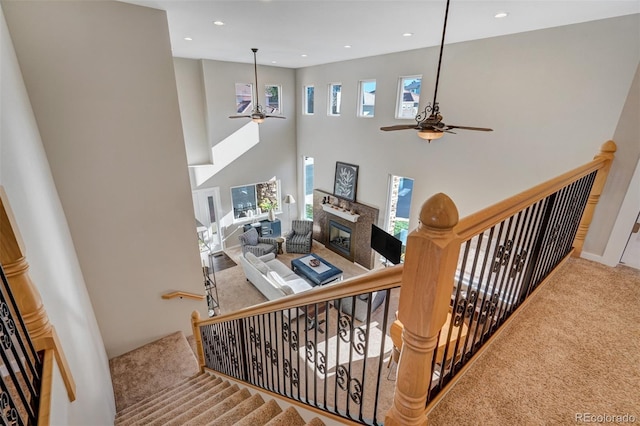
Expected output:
(386, 244)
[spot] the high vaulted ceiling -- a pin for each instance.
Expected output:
(284, 30)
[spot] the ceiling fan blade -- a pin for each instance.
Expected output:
(482, 129)
(399, 127)
(274, 116)
(239, 116)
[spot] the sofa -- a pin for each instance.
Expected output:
(271, 277)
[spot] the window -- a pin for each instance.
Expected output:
(244, 98)
(272, 102)
(408, 96)
(398, 208)
(308, 187)
(308, 100)
(335, 96)
(366, 98)
(255, 199)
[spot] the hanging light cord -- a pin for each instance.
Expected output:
(444, 30)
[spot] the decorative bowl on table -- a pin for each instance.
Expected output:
(314, 262)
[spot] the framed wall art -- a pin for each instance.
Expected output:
(346, 181)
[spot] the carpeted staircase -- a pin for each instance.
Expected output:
(201, 399)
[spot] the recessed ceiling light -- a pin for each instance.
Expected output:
(304, 55)
(501, 15)
(273, 62)
(407, 34)
(188, 38)
(347, 46)
(219, 23)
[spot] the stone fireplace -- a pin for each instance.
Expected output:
(344, 227)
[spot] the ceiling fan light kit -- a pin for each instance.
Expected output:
(429, 121)
(257, 114)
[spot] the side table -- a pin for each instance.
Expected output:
(280, 240)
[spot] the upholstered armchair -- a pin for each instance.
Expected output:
(300, 236)
(254, 243)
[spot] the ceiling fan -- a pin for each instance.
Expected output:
(257, 114)
(429, 122)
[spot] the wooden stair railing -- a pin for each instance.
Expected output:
(430, 271)
(183, 294)
(29, 301)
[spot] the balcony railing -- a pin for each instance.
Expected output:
(460, 282)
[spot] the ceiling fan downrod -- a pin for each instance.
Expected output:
(444, 31)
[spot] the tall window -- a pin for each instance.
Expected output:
(244, 97)
(308, 187)
(308, 100)
(335, 96)
(366, 98)
(400, 192)
(272, 101)
(408, 96)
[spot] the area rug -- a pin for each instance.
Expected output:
(221, 261)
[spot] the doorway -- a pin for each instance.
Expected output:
(206, 203)
(631, 254)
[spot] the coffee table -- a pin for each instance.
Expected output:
(318, 275)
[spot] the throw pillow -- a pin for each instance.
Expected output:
(286, 290)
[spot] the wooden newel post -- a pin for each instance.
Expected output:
(427, 283)
(606, 153)
(195, 319)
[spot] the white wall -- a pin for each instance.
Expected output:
(192, 110)
(55, 270)
(553, 97)
(627, 136)
(101, 82)
(275, 153)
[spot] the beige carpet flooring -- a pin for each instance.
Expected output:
(574, 349)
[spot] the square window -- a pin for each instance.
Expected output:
(366, 98)
(335, 97)
(308, 100)
(272, 99)
(408, 96)
(244, 98)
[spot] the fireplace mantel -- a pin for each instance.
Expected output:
(329, 208)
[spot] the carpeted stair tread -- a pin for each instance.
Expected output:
(161, 394)
(288, 417)
(156, 365)
(260, 416)
(201, 408)
(315, 422)
(173, 400)
(241, 410)
(219, 409)
(203, 400)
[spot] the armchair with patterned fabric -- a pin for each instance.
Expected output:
(300, 237)
(254, 243)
